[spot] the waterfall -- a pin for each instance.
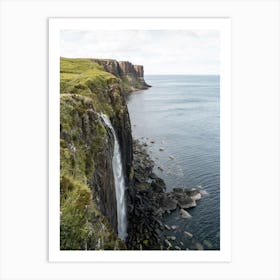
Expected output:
(119, 181)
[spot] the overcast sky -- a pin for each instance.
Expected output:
(159, 51)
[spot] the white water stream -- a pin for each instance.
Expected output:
(119, 182)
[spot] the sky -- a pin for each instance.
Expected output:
(174, 52)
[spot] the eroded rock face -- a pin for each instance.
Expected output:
(131, 75)
(127, 68)
(122, 126)
(91, 144)
(139, 71)
(102, 180)
(110, 65)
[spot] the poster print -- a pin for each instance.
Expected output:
(139, 139)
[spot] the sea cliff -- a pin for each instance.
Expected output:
(90, 88)
(132, 76)
(88, 207)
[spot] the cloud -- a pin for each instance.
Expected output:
(160, 51)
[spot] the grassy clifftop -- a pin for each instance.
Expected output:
(82, 76)
(87, 78)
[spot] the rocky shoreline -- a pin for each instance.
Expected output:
(148, 202)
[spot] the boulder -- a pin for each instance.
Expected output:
(203, 192)
(152, 175)
(178, 190)
(188, 234)
(173, 238)
(186, 202)
(169, 245)
(193, 193)
(167, 227)
(184, 214)
(167, 203)
(158, 185)
(160, 168)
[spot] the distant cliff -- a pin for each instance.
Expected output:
(132, 76)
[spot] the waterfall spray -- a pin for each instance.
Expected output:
(119, 181)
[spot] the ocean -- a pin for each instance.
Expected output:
(181, 115)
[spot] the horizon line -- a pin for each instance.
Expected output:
(182, 74)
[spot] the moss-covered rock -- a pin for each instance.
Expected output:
(82, 226)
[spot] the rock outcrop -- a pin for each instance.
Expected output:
(148, 201)
(132, 76)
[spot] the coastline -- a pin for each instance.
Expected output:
(88, 90)
(149, 202)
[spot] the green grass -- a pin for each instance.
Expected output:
(87, 78)
(82, 76)
(82, 226)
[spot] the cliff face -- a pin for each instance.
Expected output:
(88, 199)
(132, 76)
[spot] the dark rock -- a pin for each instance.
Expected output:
(148, 201)
(167, 203)
(178, 190)
(123, 69)
(186, 202)
(153, 175)
(158, 185)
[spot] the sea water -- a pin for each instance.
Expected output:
(181, 114)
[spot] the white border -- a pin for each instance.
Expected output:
(221, 24)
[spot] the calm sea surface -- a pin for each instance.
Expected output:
(182, 115)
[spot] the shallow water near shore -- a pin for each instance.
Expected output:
(179, 119)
